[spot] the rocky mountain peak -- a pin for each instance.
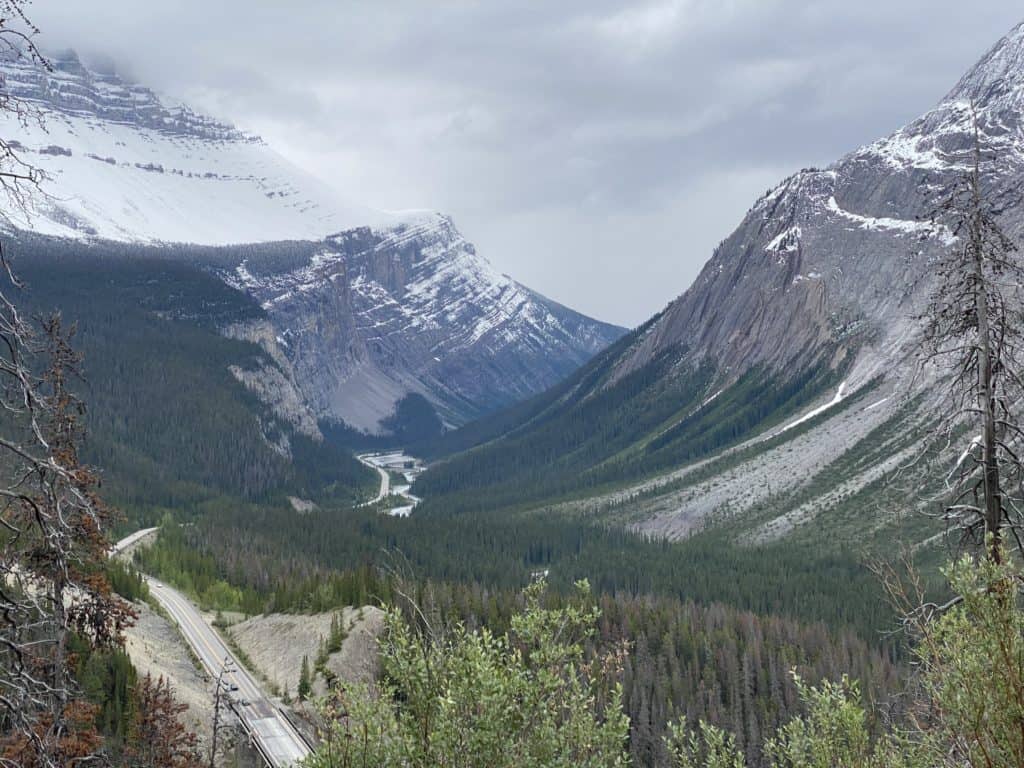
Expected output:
(71, 88)
(999, 73)
(363, 307)
(831, 265)
(371, 314)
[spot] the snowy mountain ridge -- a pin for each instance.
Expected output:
(828, 262)
(833, 268)
(368, 306)
(71, 88)
(120, 164)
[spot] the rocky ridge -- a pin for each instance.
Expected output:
(378, 306)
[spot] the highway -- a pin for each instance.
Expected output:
(279, 742)
(396, 461)
(385, 480)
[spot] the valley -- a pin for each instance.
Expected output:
(327, 464)
(404, 470)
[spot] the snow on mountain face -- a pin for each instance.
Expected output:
(833, 267)
(375, 314)
(387, 304)
(123, 166)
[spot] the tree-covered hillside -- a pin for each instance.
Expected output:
(596, 431)
(167, 421)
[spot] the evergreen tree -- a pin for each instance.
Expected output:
(305, 683)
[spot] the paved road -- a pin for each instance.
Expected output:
(264, 721)
(385, 480)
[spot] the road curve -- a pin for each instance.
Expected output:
(278, 740)
(385, 480)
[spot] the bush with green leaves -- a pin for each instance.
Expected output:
(531, 698)
(833, 733)
(970, 710)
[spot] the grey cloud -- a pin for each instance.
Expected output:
(594, 149)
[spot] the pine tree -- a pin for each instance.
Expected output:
(305, 683)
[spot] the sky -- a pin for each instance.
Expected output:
(594, 150)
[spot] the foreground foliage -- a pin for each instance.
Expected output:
(528, 698)
(691, 653)
(536, 696)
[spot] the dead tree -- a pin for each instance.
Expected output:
(53, 549)
(158, 739)
(975, 328)
(19, 179)
(221, 699)
(53, 526)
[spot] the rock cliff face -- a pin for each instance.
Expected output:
(375, 306)
(373, 315)
(834, 266)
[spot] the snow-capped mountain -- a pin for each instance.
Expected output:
(833, 267)
(787, 375)
(122, 165)
(380, 305)
(374, 314)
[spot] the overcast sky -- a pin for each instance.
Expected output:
(594, 150)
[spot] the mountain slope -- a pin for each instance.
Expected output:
(167, 421)
(372, 315)
(122, 165)
(363, 307)
(780, 387)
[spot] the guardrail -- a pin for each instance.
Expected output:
(254, 740)
(291, 721)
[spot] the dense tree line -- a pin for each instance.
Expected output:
(727, 667)
(543, 691)
(243, 546)
(691, 654)
(677, 663)
(685, 661)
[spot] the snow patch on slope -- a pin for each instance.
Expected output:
(885, 224)
(836, 400)
(121, 164)
(786, 241)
